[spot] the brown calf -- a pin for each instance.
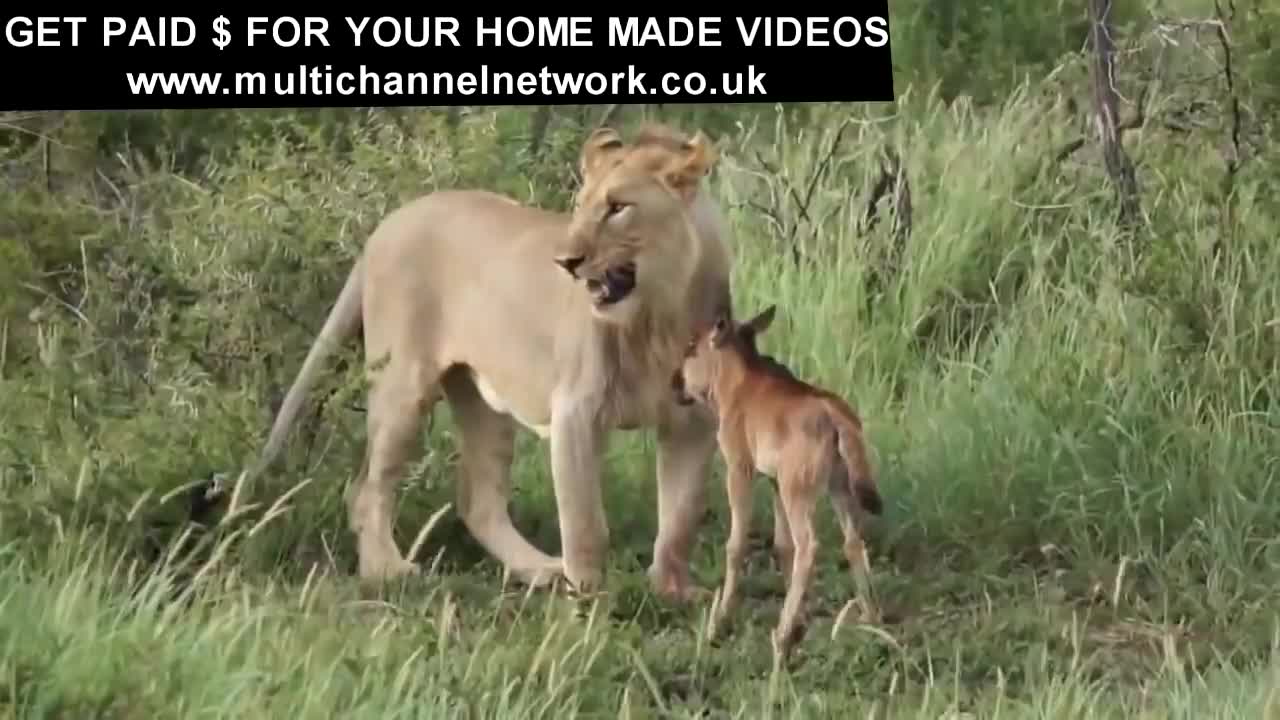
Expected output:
(802, 437)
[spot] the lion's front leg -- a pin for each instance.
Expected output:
(577, 446)
(686, 444)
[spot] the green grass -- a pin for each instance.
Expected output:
(1073, 427)
(82, 638)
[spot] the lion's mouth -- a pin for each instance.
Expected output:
(616, 284)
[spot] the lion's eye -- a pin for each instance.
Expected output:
(570, 264)
(615, 208)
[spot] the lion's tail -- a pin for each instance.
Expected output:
(862, 482)
(343, 320)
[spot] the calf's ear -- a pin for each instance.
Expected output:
(722, 330)
(763, 320)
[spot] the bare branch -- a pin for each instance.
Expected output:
(770, 214)
(1068, 150)
(1119, 166)
(1232, 152)
(1233, 161)
(870, 217)
(902, 207)
(892, 178)
(788, 231)
(822, 168)
(538, 129)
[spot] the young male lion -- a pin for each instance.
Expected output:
(569, 325)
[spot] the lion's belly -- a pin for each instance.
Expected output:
(499, 404)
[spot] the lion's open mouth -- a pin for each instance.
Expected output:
(615, 286)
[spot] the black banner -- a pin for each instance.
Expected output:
(252, 61)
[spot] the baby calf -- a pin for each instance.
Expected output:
(802, 437)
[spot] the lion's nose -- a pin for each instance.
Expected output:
(570, 264)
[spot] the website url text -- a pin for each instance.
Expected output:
(313, 80)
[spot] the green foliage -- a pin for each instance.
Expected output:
(1074, 423)
(74, 648)
(983, 48)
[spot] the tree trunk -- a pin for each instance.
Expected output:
(1119, 166)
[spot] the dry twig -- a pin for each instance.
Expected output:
(801, 201)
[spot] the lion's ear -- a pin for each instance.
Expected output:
(688, 169)
(701, 154)
(599, 144)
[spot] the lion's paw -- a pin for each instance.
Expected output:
(384, 572)
(540, 577)
(583, 581)
(677, 587)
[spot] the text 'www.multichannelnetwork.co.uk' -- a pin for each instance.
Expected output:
(309, 80)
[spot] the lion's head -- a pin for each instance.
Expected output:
(632, 241)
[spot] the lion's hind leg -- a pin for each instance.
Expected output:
(401, 395)
(483, 485)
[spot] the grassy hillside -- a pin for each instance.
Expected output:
(1073, 419)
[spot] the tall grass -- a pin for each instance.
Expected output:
(1073, 426)
(83, 637)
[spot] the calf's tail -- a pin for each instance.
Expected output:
(861, 481)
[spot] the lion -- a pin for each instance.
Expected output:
(570, 325)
